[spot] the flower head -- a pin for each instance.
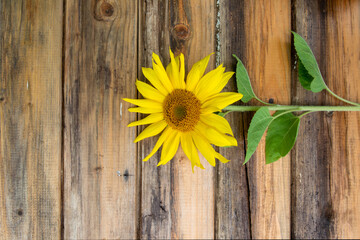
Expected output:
(183, 112)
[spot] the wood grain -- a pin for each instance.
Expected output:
(267, 37)
(69, 167)
(311, 203)
(342, 76)
(100, 160)
(325, 168)
(232, 219)
(175, 202)
(192, 194)
(154, 37)
(30, 116)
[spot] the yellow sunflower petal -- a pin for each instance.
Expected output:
(158, 144)
(204, 147)
(144, 110)
(157, 60)
(217, 122)
(169, 72)
(221, 100)
(182, 70)
(208, 82)
(221, 158)
(152, 118)
(146, 103)
(174, 69)
(149, 92)
(155, 81)
(209, 110)
(151, 130)
(196, 73)
(215, 137)
(161, 73)
(190, 150)
(169, 148)
(211, 89)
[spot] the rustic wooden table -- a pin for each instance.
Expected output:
(69, 168)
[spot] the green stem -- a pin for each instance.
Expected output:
(265, 103)
(340, 98)
(293, 108)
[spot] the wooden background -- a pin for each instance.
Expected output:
(69, 168)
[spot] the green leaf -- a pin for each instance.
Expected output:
(258, 125)
(308, 62)
(243, 82)
(304, 77)
(281, 136)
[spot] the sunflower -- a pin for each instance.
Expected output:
(184, 112)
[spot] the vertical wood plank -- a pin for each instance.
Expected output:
(343, 74)
(155, 181)
(267, 31)
(311, 203)
(100, 168)
(232, 219)
(30, 119)
(325, 162)
(175, 202)
(192, 194)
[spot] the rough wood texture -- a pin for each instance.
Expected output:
(232, 219)
(192, 194)
(69, 167)
(311, 203)
(30, 116)
(154, 35)
(325, 167)
(100, 162)
(267, 37)
(342, 76)
(175, 202)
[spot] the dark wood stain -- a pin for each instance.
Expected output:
(311, 202)
(232, 215)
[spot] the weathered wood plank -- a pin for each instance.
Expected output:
(154, 37)
(30, 119)
(232, 219)
(100, 163)
(192, 194)
(325, 172)
(310, 200)
(175, 202)
(267, 37)
(342, 76)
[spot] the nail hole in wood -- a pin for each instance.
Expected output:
(20, 212)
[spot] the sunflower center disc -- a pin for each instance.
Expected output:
(182, 110)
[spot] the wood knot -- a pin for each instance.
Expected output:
(104, 10)
(181, 31)
(107, 9)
